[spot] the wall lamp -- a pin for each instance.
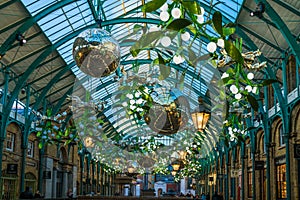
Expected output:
(21, 39)
(260, 9)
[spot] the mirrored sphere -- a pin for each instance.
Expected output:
(96, 53)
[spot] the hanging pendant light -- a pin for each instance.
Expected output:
(175, 165)
(200, 116)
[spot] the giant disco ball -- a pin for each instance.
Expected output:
(167, 119)
(96, 53)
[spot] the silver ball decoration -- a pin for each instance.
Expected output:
(96, 53)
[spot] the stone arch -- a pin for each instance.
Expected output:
(30, 181)
(63, 155)
(248, 148)
(260, 141)
(295, 120)
(276, 124)
(16, 126)
(30, 175)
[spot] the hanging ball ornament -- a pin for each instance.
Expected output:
(96, 53)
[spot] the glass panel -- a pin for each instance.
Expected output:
(30, 149)
(76, 15)
(10, 140)
(281, 181)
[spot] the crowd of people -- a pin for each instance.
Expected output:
(203, 196)
(215, 196)
(27, 194)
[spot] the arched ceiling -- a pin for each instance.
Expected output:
(51, 27)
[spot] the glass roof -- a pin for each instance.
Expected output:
(78, 14)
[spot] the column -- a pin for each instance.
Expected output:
(54, 181)
(101, 180)
(74, 181)
(183, 186)
(81, 172)
(146, 181)
(227, 181)
(48, 181)
(65, 183)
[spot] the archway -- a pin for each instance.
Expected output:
(30, 181)
(160, 188)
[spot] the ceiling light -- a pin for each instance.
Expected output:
(21, 39)
(260, 9)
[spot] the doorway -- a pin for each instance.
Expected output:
(8, 188)
(159, 192)
(263, 183)
(30, 182)
(298, 177)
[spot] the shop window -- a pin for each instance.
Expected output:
(281, 181)
(249, 183)
(281, 136)
(30, 149)
(10, 141)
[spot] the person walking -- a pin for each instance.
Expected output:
(70, 194)
(203, 196)
(27, 194)
(37, 195)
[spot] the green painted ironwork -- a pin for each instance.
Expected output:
(267, 141)
(261, 38)
(283, 108)
(227, 173)
(88, 177)
(61, 100)
(3, 126)
(290, 39)
(30, 22)
(8, 3)
(81, 155)
(242, 155)
(14, 25)
(24, 142)
(92, 7)
(288, 7)
(93, 175)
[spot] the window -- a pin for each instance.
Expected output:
(250, 191)
(30, 149)
(291, 73)
(10, 141)
(281, 181)
(281, 136)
